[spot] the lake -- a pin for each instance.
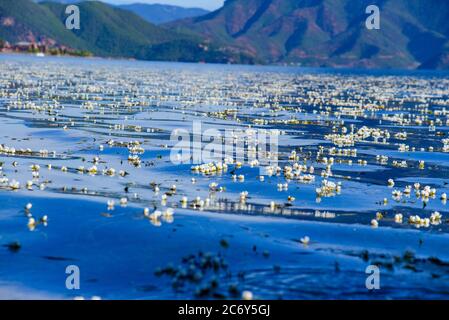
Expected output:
(352, 172)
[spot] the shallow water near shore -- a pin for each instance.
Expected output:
(241, 234)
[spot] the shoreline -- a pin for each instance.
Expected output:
(303, 69)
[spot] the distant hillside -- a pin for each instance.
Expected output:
(158, 13)
(24, 20)
(61, 1)
(331, 33)
(154, 13)
(106, 31)
(113, 31)
(413, 34)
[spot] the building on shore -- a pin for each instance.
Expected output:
(40, 47)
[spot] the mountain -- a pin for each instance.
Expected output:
(154, 13)
(106, 31)
(61, 1)
(23, 20)
(413, 34)
(159, 13)
(331, 33)
(113, 31)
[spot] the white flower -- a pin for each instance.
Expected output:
(14, 185)
(169, 212)
(435, 218)
(31, 223)
(390, 182)
(398, 218)
(247, 295)
(155, 215)
(305, 240)
(111, 204)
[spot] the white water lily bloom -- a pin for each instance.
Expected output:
(408, 190)
(156, 215)
(421, 164)
(109, 172)
(390, 182)
(435, 218)
(305, 240)
(396, 194)
(213, 186)
(111, 204)
(247, 295)
(31, 223)
(168, 212)
(14, 185)
(93, 170)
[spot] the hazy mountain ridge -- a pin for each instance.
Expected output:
(413, 34)
(158, 13)
(155, 13)
(106, 31)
